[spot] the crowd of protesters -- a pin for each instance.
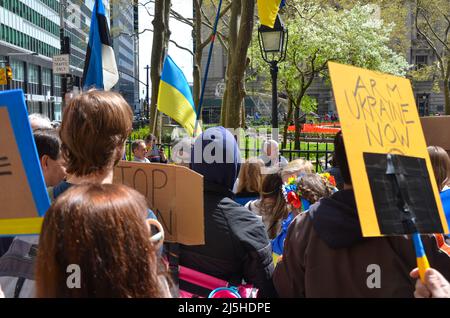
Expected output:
(258, 231)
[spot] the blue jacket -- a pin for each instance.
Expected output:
(445, 198)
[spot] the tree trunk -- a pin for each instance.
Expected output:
(160, 32)
(286, 125)
(242, 17)
(447, 89)
(198, 52)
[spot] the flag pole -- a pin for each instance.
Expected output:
(205, 79)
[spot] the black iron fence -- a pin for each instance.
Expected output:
(317, 150)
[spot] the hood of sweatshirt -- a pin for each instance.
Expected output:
(216, 156)
(335, 220)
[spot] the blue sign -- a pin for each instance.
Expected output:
(23, 195)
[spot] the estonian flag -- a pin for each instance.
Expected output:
(175, 97)
(100, 68)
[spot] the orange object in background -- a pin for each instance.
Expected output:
(320, 128)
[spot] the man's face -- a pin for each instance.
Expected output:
(54, 170)
(140, 151)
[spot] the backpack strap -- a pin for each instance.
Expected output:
(19, 285)
(21, 280)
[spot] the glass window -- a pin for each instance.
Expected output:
(57, 111)
(33, 74)
(57, 79)
(47, 76)
(18, 70)
(421, 61)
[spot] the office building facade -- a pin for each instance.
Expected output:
(125, 42)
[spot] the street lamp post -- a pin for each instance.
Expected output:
(273, 45)
(147, 101)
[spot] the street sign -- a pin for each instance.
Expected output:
(61, 64)
(3, 80)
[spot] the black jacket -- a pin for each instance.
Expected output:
(325, 255)
(236, 244)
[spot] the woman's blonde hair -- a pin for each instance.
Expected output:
(272, 204)
(295, 167)
(441, 165)
(250, 175)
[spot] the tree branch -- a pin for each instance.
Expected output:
(144, 4)
(210, 24)
(150, 30)
(430, 43)
(434, 32)
(181, 47)
(177, 16)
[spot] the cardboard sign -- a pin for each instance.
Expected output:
(437, 131)
(23, 196)
(174, 193)
(389, 164)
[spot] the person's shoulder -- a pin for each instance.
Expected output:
(59, 189)
(239, 216)
(302, 222)
(231, 207)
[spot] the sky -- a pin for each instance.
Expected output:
(180, 33)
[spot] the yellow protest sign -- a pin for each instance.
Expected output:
(389, 164)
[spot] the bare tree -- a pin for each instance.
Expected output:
(161, 36)
(433, 24)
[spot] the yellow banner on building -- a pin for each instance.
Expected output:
(378, 116)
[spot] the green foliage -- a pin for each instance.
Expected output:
(309, 104)
(318, 34)
(424, 73)
(140, 133)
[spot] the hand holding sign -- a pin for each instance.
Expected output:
(389, 163)
(174, 193)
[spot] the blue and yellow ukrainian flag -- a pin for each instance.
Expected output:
(422, 260)
(268, 10)
(175, 97)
